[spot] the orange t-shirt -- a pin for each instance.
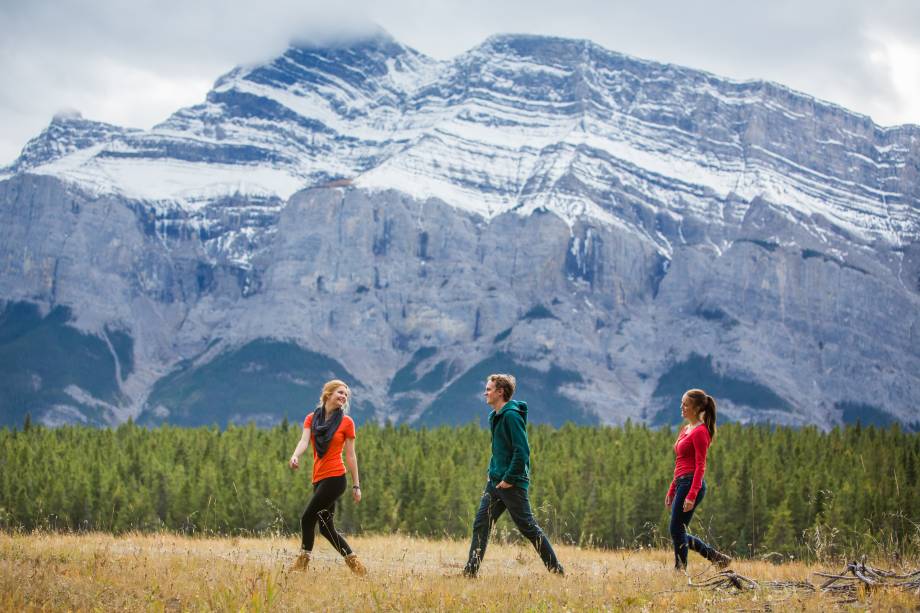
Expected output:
(331, 465)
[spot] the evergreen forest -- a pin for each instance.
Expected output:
(772, 491)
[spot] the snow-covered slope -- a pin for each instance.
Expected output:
(513, 124)
(614, 228)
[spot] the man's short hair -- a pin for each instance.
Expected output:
(505, 383)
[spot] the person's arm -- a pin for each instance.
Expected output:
(669, 497)
(520, 449)
(302, 446)
(700, 439)
(351, 459)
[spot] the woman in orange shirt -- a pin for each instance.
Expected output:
(331, 431)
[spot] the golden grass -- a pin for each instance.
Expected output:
(173, 573)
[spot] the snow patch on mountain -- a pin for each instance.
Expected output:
(506, 126)
(191, 185)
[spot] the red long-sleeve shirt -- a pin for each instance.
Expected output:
(690, 450)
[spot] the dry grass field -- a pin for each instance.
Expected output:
(172, 573)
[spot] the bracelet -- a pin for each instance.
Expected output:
(356, 487)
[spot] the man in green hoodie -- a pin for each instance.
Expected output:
(509, 477)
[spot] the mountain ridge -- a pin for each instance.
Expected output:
(667, 221)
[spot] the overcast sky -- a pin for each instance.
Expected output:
(133, 63)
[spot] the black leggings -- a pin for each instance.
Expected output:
(321, 508)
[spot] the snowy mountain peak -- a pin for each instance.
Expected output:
(511, 125)
(581, 55)
(355, 64)
(67, 134)
(67, 114)
(614, 229)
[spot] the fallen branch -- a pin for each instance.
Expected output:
(844, 585)
(732, 580)
(859, 574)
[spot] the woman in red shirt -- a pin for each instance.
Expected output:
(688, 487)
(331, 431)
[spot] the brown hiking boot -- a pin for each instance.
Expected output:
(302, 562)
(355, 565)
(720, 559)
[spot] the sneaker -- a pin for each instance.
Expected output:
(558, 570)
(302, 562)
(355, 565)
(720, 559)
(469, 573)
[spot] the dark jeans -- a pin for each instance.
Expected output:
(680, 520)
(321, 508)
(516, 501)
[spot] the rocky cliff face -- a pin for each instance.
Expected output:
(612, 230)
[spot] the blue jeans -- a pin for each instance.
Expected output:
(680, 519)
(493, 504)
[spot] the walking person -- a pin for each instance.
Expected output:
(509, 477)
(331, 431)
(688, 487)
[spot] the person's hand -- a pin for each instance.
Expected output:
(688, 504)
(356, 493)
(294, 462)
(668, 500)
(503, 485)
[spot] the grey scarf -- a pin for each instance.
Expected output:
(324, 429)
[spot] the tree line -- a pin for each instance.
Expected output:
(772, 490)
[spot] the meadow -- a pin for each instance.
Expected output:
(164, 572)
(204, 519)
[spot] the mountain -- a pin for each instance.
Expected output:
(67, 134)
(612, 230)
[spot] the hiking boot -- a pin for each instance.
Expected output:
(355, 565)
(302, 562)
(720, 559)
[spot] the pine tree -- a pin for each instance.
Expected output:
(780, 536)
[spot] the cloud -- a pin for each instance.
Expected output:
(827, 49)
(134, 63)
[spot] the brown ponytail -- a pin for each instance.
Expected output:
(709, 417)
(705, 404)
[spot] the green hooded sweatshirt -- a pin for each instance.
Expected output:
(510, 450)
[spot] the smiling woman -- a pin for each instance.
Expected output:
(330, 430)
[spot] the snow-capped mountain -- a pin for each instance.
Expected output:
(615, 229)
(68, 133)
